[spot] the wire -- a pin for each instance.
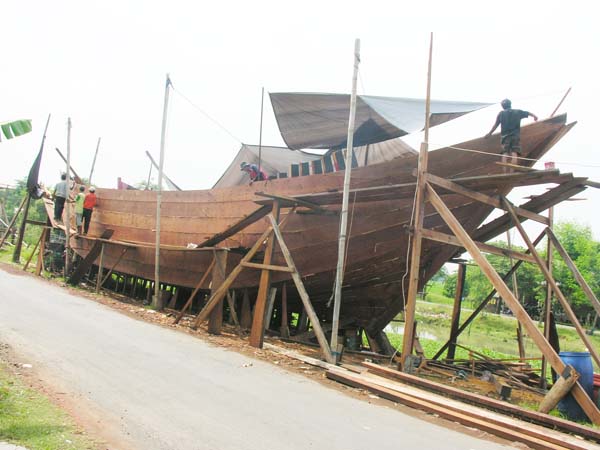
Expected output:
(208, 116)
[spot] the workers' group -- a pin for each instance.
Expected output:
(84, 204)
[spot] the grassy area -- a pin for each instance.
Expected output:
(28, 418)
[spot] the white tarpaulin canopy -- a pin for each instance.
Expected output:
(309, 120)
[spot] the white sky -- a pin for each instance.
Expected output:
(104, 63)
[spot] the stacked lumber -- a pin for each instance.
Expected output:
(500, 425)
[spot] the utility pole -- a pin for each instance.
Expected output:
(156, 301)
(67, 203)
(94, 162)
(262, 99)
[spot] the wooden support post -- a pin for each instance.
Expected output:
(312, 315)
(37, 244)
(561, 387)
(270, 307)
(215, 320)
(13, 220)
(284, 330)
(135, 286)
(174, 297)
(17, 252)
(302, 325)
(580, 395)
(218, 295)
(258, 321)
(483, 304)
(40, 261)
(417, 225)
(189, 301)
(548, 317)
(84, 265)
(148, 292)
(520, 342)
(100, 269)
(559, 295)
(110, 271)
(458, 296)
(246, 319)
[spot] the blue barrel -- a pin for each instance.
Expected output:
(582, 362)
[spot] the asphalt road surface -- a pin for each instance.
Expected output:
(154, 388)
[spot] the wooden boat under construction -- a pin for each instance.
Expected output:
(381, 204)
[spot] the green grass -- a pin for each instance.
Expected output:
(28, 418)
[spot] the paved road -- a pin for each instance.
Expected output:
(162, 389)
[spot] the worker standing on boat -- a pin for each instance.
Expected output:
(254, 172)
(510, 130)
(88, 208)
(60, 196)
(79, 200)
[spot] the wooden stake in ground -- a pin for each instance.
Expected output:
(339, 275)
(419, 213)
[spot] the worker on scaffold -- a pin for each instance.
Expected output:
(510, 131)
(255, 173)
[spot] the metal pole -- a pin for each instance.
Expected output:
(339, 276)
(262, 99)
(94, 162)
(163, 133)
(67, 204)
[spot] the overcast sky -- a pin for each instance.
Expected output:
(104, 63)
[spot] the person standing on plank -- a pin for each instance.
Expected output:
(79, 199)
(88, 208)
(510, 131)
(61, 191)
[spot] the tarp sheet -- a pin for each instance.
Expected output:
(311, 120)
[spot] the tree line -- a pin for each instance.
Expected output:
(578, 241)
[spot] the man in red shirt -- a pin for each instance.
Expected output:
(88, 207)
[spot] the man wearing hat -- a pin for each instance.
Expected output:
(88, 207)
(254, 172)
(510, 130)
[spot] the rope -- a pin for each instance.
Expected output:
(205, 114)
(470, 150)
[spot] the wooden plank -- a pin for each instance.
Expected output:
(220, 293)
(487, 248)
(574, 270)
(258, 320)
(482, 400)
(286, 201)
(266, 267)
(455, 322)
(284, 330)
(456, 414)
(84, 265)
(215, 320)
(486, 199)
(584, 401)
(312, 315)
(189, 301)
(246, 319)
(237, 227)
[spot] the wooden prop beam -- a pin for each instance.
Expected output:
(238, 226)
(458, 296)
(13, 220)
(257, 331)
(478, 196)
(246, 315)
(284, 330)
(17, 251)
(114, 266)
(285, 202)
(559, 295)
(482, 305)
(40, 261)
(266, 267)
(230, 299)
(312, 315)
(560, 389)
(100, 267)
(84, 265)
(218, 295)
(215, 320)
(573, 268)
(487, 248)
(189, 301)
(580, 395)
(37, 244)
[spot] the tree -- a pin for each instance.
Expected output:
(584, 251)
